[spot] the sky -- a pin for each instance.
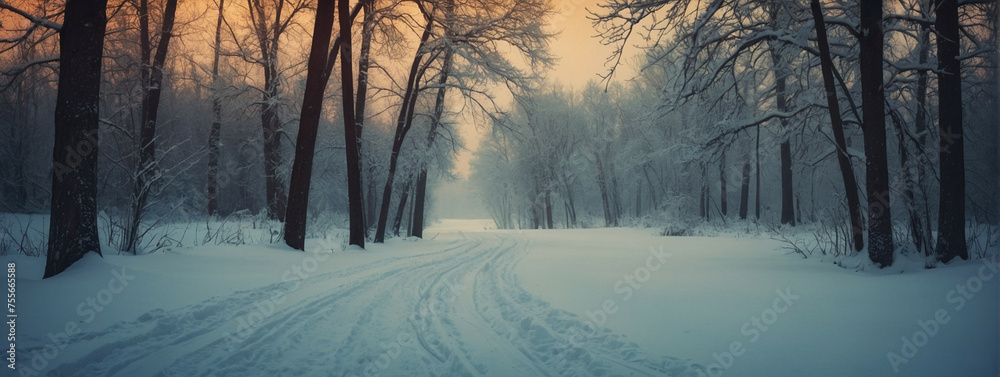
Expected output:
(581, 55)
(580, 58)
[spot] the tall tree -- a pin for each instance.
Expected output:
(402, 207)
(745, 189)
(420, 191)
(781, 102)
(912, 150)
(920, 222)
(73, 224)
(403, 123)
(361, 99)
(151, 81)
(352, 145)
(723, 194)
(318, 71)
(473, 32)
(880, 244)
(951, 210)
(214, 135)
(25, 105)
(269, 21)
(757, 174)
(843, 159)
(305, 145)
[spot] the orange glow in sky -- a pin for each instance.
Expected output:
(581, 54)
(580, 58)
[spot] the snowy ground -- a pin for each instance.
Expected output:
(604, 302)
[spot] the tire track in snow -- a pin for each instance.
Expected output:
(462, 308)
(312, 338)
(557, 341)
(140, 346)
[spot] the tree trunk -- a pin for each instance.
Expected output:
(652, 188)
(547, 198)
(369, 184)
(638, 202)
(271, 126)
(798, 208)
(909, 196)
(537, 215)
(152, 82)
(781, 100)
(270, 122)
(880, 244)
(351, 143)
(570, 205)
(723, 200)
(745, 190)
(705, 209)
(787, 206)
(364, 62)
(409, 217)
(73, 224)
(603, 186)
(403, 123)
(305, 144)
(417, 217)
(951, 211)
(757, 184)
(214, 136)
(616, 197)
(402, 206)
(921, 224)
(332, 59)
(566, 213)
(361, 100)
(420, 195)
(843, 159)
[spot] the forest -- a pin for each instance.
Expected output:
(844, 127)
(871, 124)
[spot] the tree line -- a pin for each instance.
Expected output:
(875, 118)
(269, 106)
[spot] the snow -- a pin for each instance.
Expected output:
(697, 304)
(470, 300)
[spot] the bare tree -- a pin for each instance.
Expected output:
(351, 132)
(745, 189)
(843, 159)
(151, 83)
(216, 130)
(723, 192)
(29, 57)
(474, 38)
(320, 67)
(779, 18)
(312, 106)
(602, 116)
(73, 225)
(713, 37)
(403, 123)
(880, 244)
(270, 22)
(951, 210)
(420, 191)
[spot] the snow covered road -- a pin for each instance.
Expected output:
(606, 302)
(459, 311)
